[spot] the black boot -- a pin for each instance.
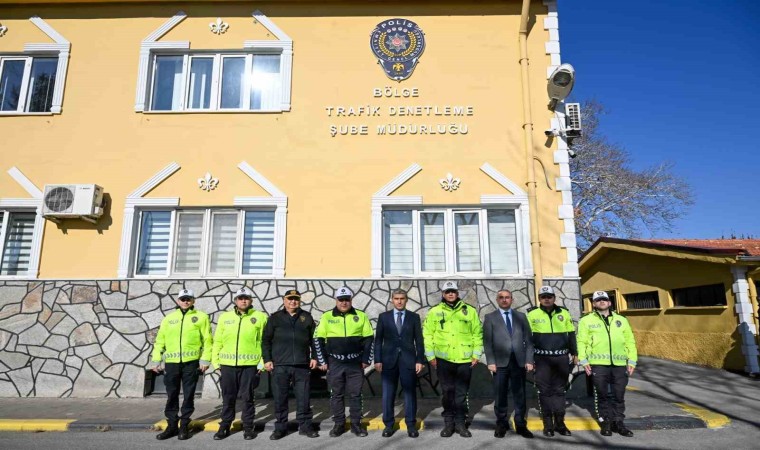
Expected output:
(338, 429)
(605, 425)
(448, 430)
(184, 430)
(622, 429)
(548, 425)
(170, 431)
(559, 424)
(223, 433)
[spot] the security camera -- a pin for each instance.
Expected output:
(560, 84)
(551, 133)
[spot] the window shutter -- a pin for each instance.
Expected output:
(433, 242)
(189, 243)
(18, 244)
(153, 255)
(258, 242)
(502, 241)
(398, 237)
(467, 227)
(223, 243)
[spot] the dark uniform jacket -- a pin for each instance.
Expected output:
(287, 339)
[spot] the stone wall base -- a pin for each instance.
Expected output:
(94, 338)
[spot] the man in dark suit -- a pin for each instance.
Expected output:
(399, 355)
(509, 352)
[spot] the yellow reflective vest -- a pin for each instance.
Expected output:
(606, 341)
(183, 337)
(237, 339)
(453, 333)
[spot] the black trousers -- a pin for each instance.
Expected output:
(240, 380)
(300, 377)
(610, 407)
(551, 379)
(509, 379)
(391, 378)
(455, 382)
(178, 375)
(345, 380)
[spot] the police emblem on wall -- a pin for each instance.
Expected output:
(398, 45)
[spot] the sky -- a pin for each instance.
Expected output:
(680, 80)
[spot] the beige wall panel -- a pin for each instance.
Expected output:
(471, 59)
(20, 31)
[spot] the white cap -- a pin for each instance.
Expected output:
(186, 293)
(449, 285)
(600, 294)
(343, 292)
(243, 292)
(546, 290)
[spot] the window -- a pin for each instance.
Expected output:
(708, 295)
(16, 238)
(205, 242)
(27, 83)
(216, 82)
(642, 300)
(450, 241)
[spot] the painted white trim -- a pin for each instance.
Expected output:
(261, 180)
(396, 182)
(260, 201)
(19, 202)
(380, 199)
(62, 47)
(25, 182)
(283, 46)
(745, 318)
(279, 200)
(135, 199)
(502, 179)
(269, 25)
(155, 180)
(563, 184)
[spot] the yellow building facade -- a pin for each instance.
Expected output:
(692, 300)
(276, 145)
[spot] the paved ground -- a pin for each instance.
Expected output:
(670, 405)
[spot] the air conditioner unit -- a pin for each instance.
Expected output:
(73, 201)
(573, 120)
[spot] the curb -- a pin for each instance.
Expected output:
(704, 419)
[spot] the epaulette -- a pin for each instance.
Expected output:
(532, 308)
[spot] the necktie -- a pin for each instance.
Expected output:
(509, 323)
(398, 322)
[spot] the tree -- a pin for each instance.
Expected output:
(613, 199)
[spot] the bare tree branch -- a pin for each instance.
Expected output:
(611, 198)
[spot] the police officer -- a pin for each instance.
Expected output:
(288, 356)
(343, 341)
(184, 340)
(453, 340)
(607, 349)
(237, 353)
(554, 348)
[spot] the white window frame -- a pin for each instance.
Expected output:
(151, 46)
(205, 257)
(23, 101)
(451, 255)
(9, 206)
(60, 49)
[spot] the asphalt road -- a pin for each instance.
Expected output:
(736, 436)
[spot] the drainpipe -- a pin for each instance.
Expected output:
(535, 239)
